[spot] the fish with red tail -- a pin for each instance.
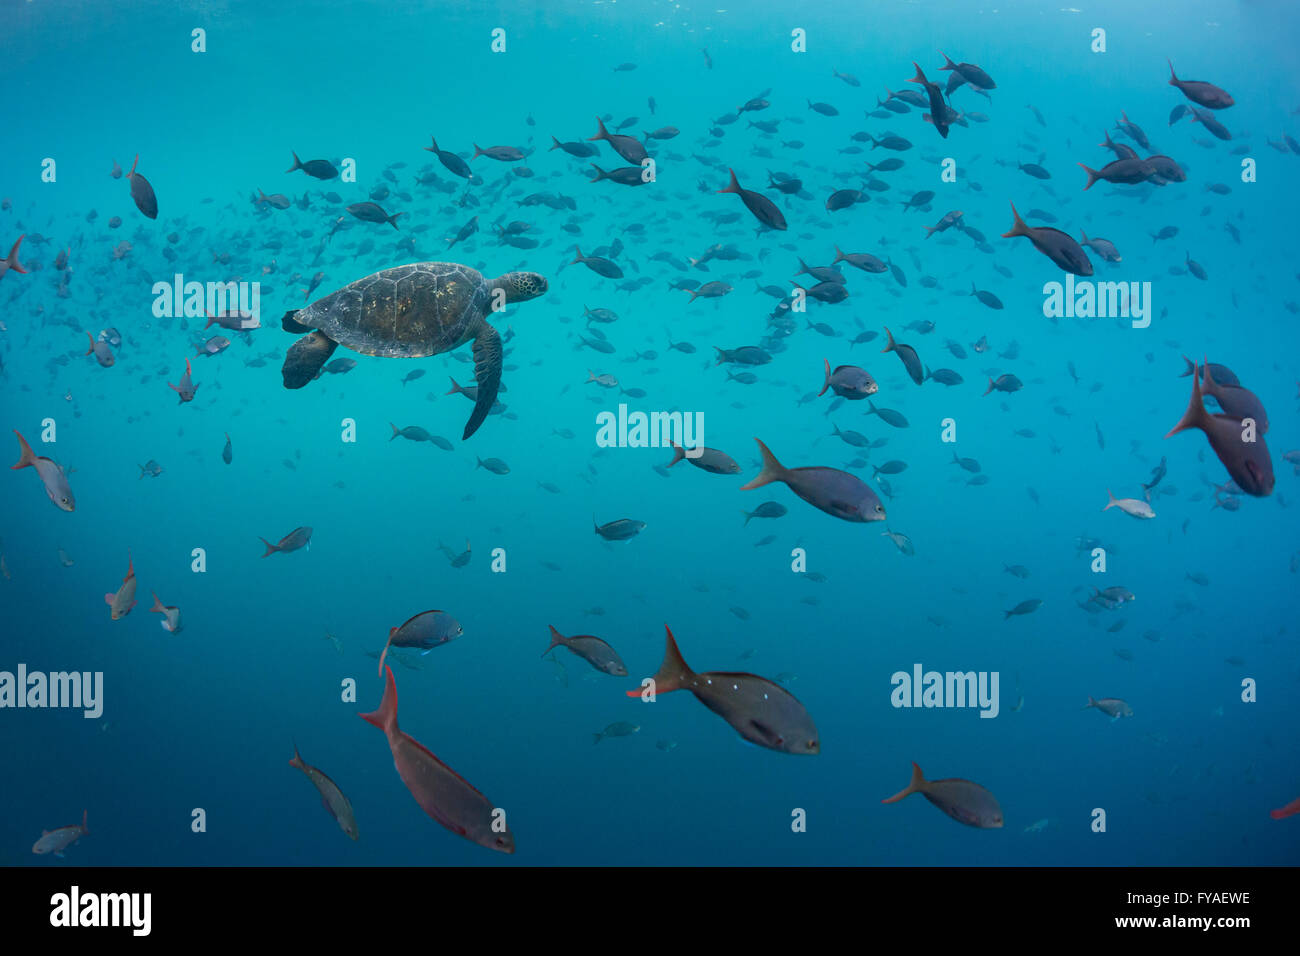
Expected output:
(835, 492)
(441, 792)
(1248, 462)
(186, 388)
(760, 710)
(964, 801)
(120, 604)
(50, 472)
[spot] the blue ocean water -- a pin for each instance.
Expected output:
(207, 718)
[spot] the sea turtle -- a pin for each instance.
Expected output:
(411, 311)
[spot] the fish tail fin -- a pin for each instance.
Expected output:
(733, 186)
(91, 347)
(915, 785)
(387, 644)
(11, 260)
(477, 152)
(1111, 502)
(920, 75)
(772, 470)
(556, 142)
(1091, 703)
(297, 163)
(1018, 227)
(678, 454)
(557, 640)
(990, 388)
(1173, 77)
(157, 604)
(296, 760)
(85, 828)
(947, 62)
(385, 718)
(453, 390)
(577, 255)
(26, 457)
(133, 165)
(1083, 237)
(827, 383)
(595, 739)
(602, 133)
(1195, 416)
(396, 430)
(392, 220)
(600, 173)
(270, 548)
(673, 672)
(1092, 176)
(839, 256)
(890, 346)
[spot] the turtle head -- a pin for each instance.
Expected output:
(521, 286)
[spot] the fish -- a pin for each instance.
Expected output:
(595, 651)
(620, 728)
(426, 630)
(1024, 607)
(706, 459)
(1200, 92)
(141, 192)
(764, 210)
(1248, 463)
(10, 263)
(373, 212)
(848, 381)
(332, 798)
(1112, 707)
(835, 492)
(56, 841)
(295, 539)
(964, 801)
(171, 621)
(629, 147)
(440, 792)
(226, 453)
(1056, 245)
(103, 354)
(1290, 810)
(1130, 506)
(51, 474)
(316, 168)
(187, 388)
(121, 603)
(761, 711)
(619, 530)
(911, 361)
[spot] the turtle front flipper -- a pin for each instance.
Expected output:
(303, 361)
(487, 372)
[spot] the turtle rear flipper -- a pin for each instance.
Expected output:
(289, 324)
(487, 372)
(303, 361)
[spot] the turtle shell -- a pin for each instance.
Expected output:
(411, 311)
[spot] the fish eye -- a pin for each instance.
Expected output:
(812, 745)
